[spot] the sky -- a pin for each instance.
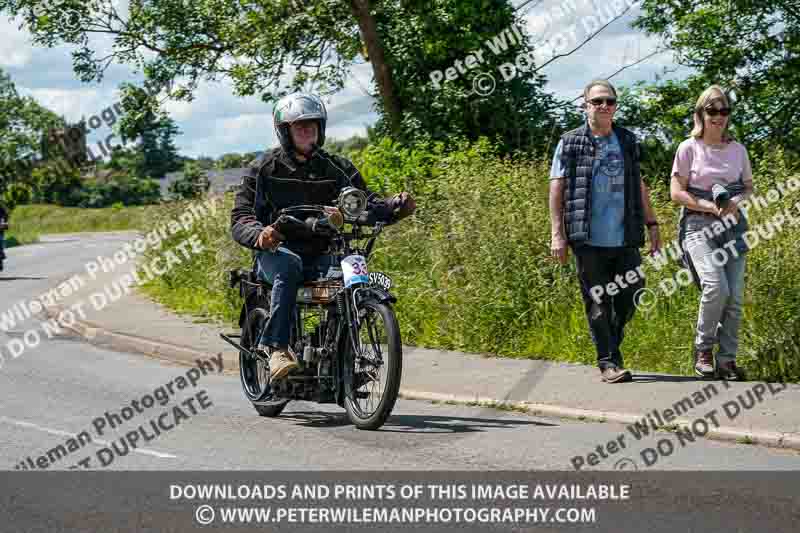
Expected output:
(218, 122)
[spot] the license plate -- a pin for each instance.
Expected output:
(381, 279)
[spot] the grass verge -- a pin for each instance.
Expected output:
(29, 222)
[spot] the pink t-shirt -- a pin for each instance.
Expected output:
(705, 165)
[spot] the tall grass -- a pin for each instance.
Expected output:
(472, 270)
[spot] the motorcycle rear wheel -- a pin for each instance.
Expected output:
(254, 373)
(372, 394)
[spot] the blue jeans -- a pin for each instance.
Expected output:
(721, 271)
(286, 271)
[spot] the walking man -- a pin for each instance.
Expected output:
(599, 207)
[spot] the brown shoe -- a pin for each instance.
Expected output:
(614, 374)
(704, 363)
(281, 362)
(730, 372)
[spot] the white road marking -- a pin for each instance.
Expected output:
(143, 451)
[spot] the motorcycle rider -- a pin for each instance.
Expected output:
(298, 172)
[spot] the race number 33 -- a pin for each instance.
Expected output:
(354, 268)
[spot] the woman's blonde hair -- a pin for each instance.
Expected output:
(712, 94)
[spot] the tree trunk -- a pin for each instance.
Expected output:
(381, 71)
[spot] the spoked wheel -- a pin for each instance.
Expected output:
(254, 372)
(377, 370)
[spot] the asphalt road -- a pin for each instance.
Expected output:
(62, 387)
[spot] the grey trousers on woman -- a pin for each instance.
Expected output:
(721, 271)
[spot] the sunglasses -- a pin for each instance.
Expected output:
(610, 102)
(713, 112)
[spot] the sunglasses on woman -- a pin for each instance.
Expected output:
(713, 111)
(610, 102)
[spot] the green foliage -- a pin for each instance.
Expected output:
(15, 194)
(346, 147)
(23, 123)
(57, 184)
(206, 163)
(391, 166)
(62, 184)
(192, 183)
(121, 188)
(750, 47)
(422, 37)
(155, 130)
(232, 161)
(177, 288)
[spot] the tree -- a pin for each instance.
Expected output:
(155, 130)
(128, 159)
(422, 43)
(751, 48)
(16, 194)
(205, 162)
(57, 184)
(23, 124)
(344, 147)
(231, 161)
(193, 182)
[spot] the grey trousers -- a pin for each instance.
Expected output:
(721, 271)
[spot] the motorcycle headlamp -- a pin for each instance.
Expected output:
(352, 202)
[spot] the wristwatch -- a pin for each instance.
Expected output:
(651, 223)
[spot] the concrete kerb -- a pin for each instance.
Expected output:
(98, 336)
(765, 438)
(121, 342)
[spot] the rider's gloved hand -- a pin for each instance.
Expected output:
(403, 205)
(269, 239)
(335, 216)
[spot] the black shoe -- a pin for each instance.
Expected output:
(614, 374)
(704, 364)
(730, 372)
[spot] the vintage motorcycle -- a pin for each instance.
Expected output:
(344, 331)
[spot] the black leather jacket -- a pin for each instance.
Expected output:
(277, 180)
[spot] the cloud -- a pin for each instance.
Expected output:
(15, 47)
(558, 26)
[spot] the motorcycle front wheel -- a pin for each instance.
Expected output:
(253, 372)
(375, 384)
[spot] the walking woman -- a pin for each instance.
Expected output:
(711, 176)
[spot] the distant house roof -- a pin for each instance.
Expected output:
(221, 180)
